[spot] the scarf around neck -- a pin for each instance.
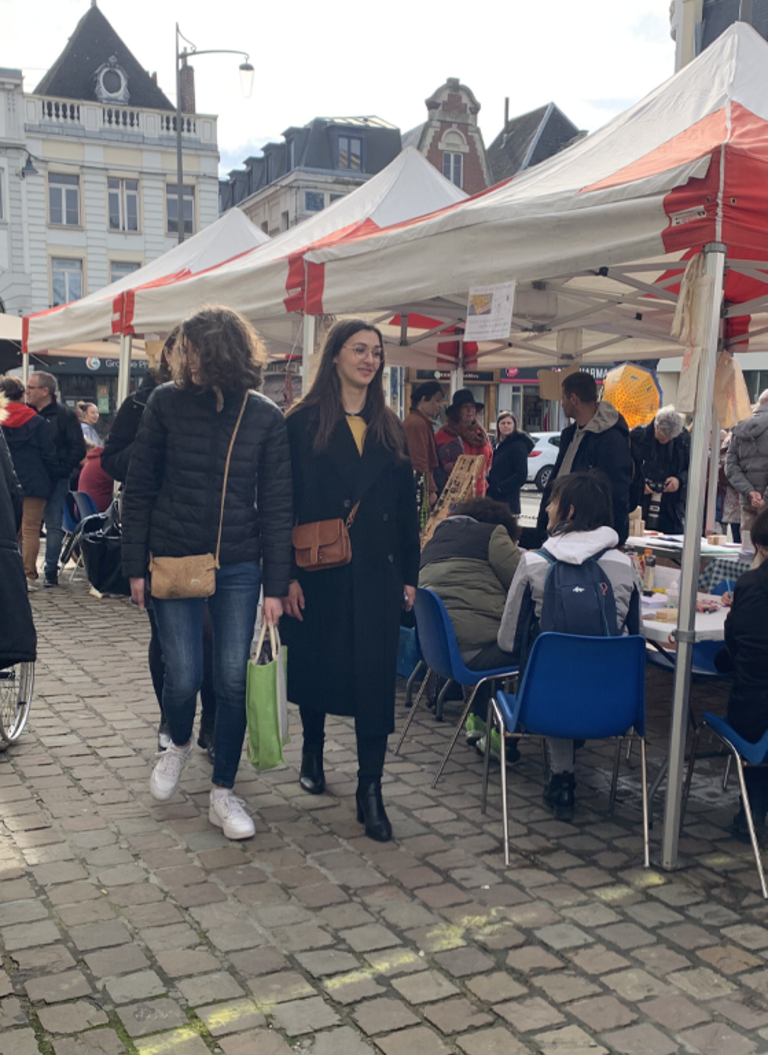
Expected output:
(473, 435)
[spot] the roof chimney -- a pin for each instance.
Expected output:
(187, 88)
(506, 112)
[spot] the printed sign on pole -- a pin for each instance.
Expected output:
(489, 312)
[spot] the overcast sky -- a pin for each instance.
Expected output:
(593, 58)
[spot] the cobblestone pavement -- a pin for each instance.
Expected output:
(134, 927)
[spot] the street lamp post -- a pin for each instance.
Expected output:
(246, 80)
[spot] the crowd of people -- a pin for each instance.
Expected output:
(218, 487)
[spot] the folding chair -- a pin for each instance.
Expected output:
(78, 506)
(440, 650)
(743, 753)
(576, 688)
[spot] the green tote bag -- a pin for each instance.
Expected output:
(266, 702)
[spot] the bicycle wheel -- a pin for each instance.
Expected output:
(16, 684)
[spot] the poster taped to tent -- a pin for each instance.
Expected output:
(489, 312)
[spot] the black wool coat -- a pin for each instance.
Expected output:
(172, 497)
(342, 657)
(660, 461)
(119, 444)
(746, 637)
(18, 641)
(509, 470)
(34, 456)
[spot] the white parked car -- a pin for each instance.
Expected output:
(542, 458)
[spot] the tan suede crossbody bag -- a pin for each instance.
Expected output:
(174, 578)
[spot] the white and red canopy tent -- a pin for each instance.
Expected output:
(597, 239)
(269, 283)
(593, 234)
(108, 310)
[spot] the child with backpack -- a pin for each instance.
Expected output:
(577, 583)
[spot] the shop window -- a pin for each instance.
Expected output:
(63, 200)
(66, 280)
(123, 204)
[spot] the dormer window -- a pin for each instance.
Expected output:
(351, 153)
(111, 83)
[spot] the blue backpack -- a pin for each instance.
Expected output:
(578, 599)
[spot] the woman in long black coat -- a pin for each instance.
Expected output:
(348, 448)
(509, 470)
(18, 641)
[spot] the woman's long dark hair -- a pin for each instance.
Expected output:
(231, 352)
(325, 393)
(589, 495)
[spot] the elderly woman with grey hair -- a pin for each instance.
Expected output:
(664, 450)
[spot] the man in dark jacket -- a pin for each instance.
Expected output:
(30, 441)
(70, 451)
(597, 439)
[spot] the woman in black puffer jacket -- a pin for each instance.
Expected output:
(171, 508)
(510, 462)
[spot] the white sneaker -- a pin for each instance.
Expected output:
(167, 772)
(226, 811)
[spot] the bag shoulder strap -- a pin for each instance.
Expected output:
(351, 518)
(226, 475)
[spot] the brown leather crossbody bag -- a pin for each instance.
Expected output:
(175, 578)
(324, 543)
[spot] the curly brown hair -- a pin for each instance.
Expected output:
(230, 350)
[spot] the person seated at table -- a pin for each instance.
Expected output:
(470, 562)
(746, 642)
(663, 446)
(580, 519)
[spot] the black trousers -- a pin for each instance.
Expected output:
(370, 749)
(157, 669)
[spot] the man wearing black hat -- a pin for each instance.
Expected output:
(463, 434)
(426, 402)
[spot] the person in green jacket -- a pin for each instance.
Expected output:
(470, 562)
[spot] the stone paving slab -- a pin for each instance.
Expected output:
(132, 928)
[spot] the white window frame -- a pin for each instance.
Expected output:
(64, 187)
(134, 265)
(72, 266)
(172, 194)
(454, 163)
(124, 195)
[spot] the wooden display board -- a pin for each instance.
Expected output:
(461, 485)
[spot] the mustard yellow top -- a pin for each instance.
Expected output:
(357, 427)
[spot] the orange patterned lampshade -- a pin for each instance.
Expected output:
(634, 391)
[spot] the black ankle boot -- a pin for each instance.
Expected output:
(558, 795)
(312, 778)
(371, 812)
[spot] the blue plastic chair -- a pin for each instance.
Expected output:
(440, 651)
(703, 665)
(743, 754)
(577, 688)
(78, 506)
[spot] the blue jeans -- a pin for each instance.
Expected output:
(54, 528)
(180, 624)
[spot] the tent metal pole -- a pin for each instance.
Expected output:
(715, 255)
(457, 376)
(25, 367)
(307, 351)
(714, 469)
(124, 370)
